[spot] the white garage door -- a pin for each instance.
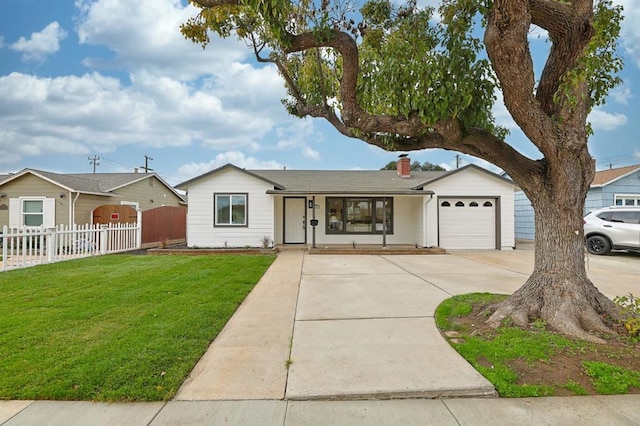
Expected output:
(467, 223)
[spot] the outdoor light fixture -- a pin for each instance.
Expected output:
(62, 195)
(3, 195)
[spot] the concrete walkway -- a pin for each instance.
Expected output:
(358, 337)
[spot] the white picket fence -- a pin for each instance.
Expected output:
(33, 246)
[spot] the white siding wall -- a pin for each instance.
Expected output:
(200, 229)
(471, 182)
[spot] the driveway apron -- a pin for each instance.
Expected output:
(365, 329)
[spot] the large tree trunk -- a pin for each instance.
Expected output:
(559, 291)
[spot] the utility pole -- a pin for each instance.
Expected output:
(95, 161)
(146, 164)
(457, 161)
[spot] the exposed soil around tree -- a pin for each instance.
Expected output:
(566, 365)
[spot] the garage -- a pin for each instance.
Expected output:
(467, 223)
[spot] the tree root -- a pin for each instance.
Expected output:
(572, 306)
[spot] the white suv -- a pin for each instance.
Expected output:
(612, 228)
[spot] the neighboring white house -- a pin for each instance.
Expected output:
(467, 208)
(611, 187)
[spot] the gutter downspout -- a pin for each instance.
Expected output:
(72, 209)
(425, 222)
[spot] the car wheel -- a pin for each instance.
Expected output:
(598, 245)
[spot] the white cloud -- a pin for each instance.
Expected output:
(310, 153)
(237, 158)
(602, 120)
(630, 28)
(621, 94)
(178, 94)
(94, 113)
(145, 34)
(537, 33)
(501, 114)
(40, 44)
(296, 136)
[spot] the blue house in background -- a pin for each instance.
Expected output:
(611, 187)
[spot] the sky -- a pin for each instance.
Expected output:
(115, 80)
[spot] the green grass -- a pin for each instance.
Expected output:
(491, 356)
(115, 328)
(462, 305)
(575, 388)
(610, 379)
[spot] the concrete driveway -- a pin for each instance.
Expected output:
(616, 274)
(362, 326)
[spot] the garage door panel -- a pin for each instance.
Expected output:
(467, 227)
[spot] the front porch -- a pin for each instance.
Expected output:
(373, 249)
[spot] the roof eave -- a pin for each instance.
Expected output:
(468, 166)
(39, 175)
(601, 185)
(146, 176)
(354, 192)
(185, 185)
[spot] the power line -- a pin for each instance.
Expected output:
(146, 164)
(616, 159)
(95, 161)
(124, 166)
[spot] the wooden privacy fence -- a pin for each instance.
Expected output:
(164, 224)
(33, 246)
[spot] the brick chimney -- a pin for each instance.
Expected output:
(403, 166)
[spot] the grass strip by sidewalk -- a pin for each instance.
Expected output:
(525, 362)
(115, 328)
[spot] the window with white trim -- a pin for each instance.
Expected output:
(628, 200)
(230, 210)
(32, 212)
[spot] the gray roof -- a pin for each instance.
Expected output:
(348, 181)
(343, 182)
(92, 183)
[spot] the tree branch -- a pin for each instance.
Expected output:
(410, 132)
(570, 30)
(508, 49)
(352, 114)
(215, 3)
(551, 15)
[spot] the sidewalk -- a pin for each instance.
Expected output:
(358, 337)
(566, 411)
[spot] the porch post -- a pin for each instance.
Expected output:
(313, 217)
(139, 229)
(384, 222)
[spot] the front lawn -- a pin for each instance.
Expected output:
(115, 328)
